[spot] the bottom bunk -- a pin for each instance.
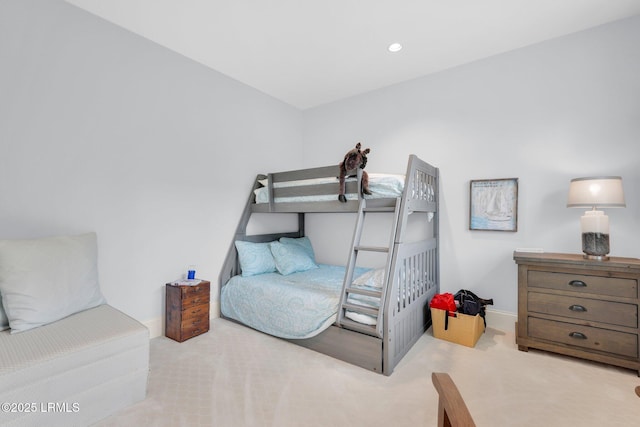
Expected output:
(301, 305)
(294, 306)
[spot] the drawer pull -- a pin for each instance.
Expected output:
(578, 335)
(578, 308)
(577, 284)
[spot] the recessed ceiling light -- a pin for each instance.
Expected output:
(394, 47)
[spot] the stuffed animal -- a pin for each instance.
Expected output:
(354, 159)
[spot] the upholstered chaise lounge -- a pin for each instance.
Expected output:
(66, 357)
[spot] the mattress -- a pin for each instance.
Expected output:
(380, 185)
(295, 306)
(75, 371)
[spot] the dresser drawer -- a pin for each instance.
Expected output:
(615, 342)
(600, 285)
(593, 310)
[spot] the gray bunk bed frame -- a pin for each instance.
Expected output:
(412, 273)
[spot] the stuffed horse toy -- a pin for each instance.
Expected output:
(354, 159)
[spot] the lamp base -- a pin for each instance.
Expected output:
(596, 257)
(595, 245)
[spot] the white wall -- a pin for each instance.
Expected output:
(102, 130)
(547, 113)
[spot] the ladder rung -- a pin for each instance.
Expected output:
(359, 327)
(380, 209)
(367, 292)
(372, 248)
(357, 308)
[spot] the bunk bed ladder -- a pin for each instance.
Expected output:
(347, 288)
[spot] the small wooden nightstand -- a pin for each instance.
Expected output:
(579, 307)
(187, 310)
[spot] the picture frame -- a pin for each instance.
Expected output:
(493, 204)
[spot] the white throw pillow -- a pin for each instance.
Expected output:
(371, 279)
(44, 280)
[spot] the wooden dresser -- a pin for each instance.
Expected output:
(579, 307)
(187, 310)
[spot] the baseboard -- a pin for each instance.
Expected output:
(501, 320)
(156, 326)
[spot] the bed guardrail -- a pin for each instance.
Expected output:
(278, 187)
(406, 313)
(415, 273)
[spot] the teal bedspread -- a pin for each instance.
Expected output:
(296, 306)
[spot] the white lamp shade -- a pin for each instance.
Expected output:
(601, 191)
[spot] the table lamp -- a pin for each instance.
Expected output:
(596, 192)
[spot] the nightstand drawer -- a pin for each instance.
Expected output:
(193, 300)
(614, 313)
(196, 312)
(601, 285)
(194, 330)
(605, 340)
(195, 322)
(199, 289)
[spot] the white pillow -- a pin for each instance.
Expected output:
(44, 280)
(371, 279)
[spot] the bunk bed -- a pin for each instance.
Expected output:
(374, 327)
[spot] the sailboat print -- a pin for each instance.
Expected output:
(498, 208)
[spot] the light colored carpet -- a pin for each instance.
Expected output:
(234, 376)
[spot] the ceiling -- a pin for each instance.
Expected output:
(309, 53)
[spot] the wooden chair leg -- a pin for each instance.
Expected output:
(452, 411)
(443, 418)
(638, 391)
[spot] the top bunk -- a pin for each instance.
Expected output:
(316, 190)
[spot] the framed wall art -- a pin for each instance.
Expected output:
(493, 204)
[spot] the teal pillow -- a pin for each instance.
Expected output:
(304, 242)
(255, 258)
(291, 258)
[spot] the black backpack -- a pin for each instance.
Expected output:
(471, 304)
